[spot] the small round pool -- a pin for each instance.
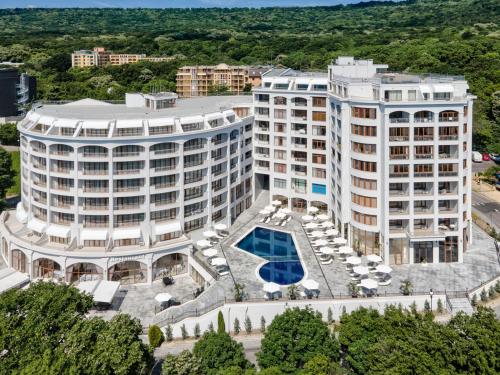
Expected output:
(283, 273)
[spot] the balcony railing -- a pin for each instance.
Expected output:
(448, 137)
(399, 138)
(424, 138)
(447, 173)
(399, 156)
(399, 174)
(423, 174)
(423, 156)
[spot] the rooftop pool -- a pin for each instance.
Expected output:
(283, 264)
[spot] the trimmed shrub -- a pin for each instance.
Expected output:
(155, 336)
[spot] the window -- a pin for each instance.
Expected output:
(363, 148)
(365, 166)
(280, 113)
(279, 127)
(319, 102)
(319, 189)
(318, 144)
(319, 173)
(366, 131)
(280, 154)
(318, 159)
(361, 200)
(363, 218)
(280, 168)
(364, 183)
(319, 116)
(279, 183)
(360, 112)
(412, 95)
(393, 95)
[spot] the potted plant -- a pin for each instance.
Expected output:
(293, 291)
(239, 292)
(353, 288)
(406, 287)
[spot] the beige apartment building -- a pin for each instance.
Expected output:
(100, 57)
(201, 80)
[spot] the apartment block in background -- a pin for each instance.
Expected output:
(100, 57)
(16, 91)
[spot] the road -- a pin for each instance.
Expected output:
(489, 208)
(479, 167)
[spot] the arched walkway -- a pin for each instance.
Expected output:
(83, 272)
(299, 205)
(19, 261)
(170, 265)
(128, 272)
(282, 199)
(46, 268)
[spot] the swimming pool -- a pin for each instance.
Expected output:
(283, 264)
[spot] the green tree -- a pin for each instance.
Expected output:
(406, 287)
(197, 331)
(248, 325)
(262, 324)
(184, 332)
(239, 292)
(236, 326)
(330, 316)
(155, 336)
(185, 363)
(6, 172)
(168, 333)
(221, 326)
(295, 337)
(9, 134)
(321, 365)
(217, 351)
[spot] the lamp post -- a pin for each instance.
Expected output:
(431, 293)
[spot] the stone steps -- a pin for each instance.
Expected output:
(461, 304)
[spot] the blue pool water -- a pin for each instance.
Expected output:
(283, 266)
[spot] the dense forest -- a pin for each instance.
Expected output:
(459, 37)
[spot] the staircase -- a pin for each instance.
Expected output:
(460, 304)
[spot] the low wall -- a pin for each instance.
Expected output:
(268, 310)
(486, 286)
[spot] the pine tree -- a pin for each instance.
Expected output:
(262, 324)
(221, 326)
(196, 331)
(237, 327)
(248, 325)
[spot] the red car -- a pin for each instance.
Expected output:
(486, 157)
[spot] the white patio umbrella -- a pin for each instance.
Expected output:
(203, 243)
(327, 250)
(311, 226)
(276, 203)
(339, 241)
(209, 234)
(361, 270)
(353, 260)
(312, 209)
(271, 288)
(220, 226)
(368, 284)
(210, 252)
(286, 210)
(373, 258)
(323, 217)
(163, 297)
(310, 284)
(280, 215)
(307, 218)
(345, 250)
(270, 208)
(382, 268)
(327, 224)
(264, 212)
(317, 233)
(332, 232)
(321, 242)
(218, 262)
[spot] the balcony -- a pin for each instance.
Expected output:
(419, 138)
(448, 173)
(423, 210)
(423, 174)
(398, 174)
(422, 192)
(94, 172)
(398, 193)
(126, 171)
(423, 156)
(447, 137)
(399, 138)
(399, 156)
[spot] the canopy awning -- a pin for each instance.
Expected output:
(214, 116)
(105, 291)
(87, 286)
(163, 297)
(229, 112)
(36, 225)
(21, 213)
(168, 121)
(58, 231)
(93, 234)
(95, 124)
(173, 226)
(126, 233)
(13, 280)
(66, 123)
(132, 123)
(443, 88)
(191, 119)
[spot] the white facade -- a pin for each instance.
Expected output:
(117, 183)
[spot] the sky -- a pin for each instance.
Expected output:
(164, 3)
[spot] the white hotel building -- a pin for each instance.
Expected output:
(113, 190)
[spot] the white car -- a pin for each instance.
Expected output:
(477, 157)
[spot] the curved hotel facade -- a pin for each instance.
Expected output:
(112, 191)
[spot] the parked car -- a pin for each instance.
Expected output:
(477, 157)
(495, 158)
(486, 157)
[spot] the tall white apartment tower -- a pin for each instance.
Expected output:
(400, 172)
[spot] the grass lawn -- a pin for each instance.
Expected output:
(16, 165)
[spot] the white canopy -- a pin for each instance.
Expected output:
(361, 270)
(323, 217)
(218, 262)
(105, 291)
(209, 233)
(310, 284)
(36, 225)
(332, 232)
(321, 242)
(163, 297)
(21, 214)
(286, 210)
(13, 280)
(307, 218)
(203, 243)
(353, 260)
(271, 287)
(66, 122)
(374, 258)
(129, 123)
(280, 215)
(382, 268)
(58, 231)
(312, 209)
(93, 234)
(270, 208)
(87, 286)
(210, 252)
(326, 250)
(155, 122)
(220, 226)
(191, 119)
(327, 224)
(264, 212)
(339, 241)
(276, 203)
(317, 233)
(95, 124)
(122, 234)
(345, 250)
(369, 284)
(174, 226)
(311, 226)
